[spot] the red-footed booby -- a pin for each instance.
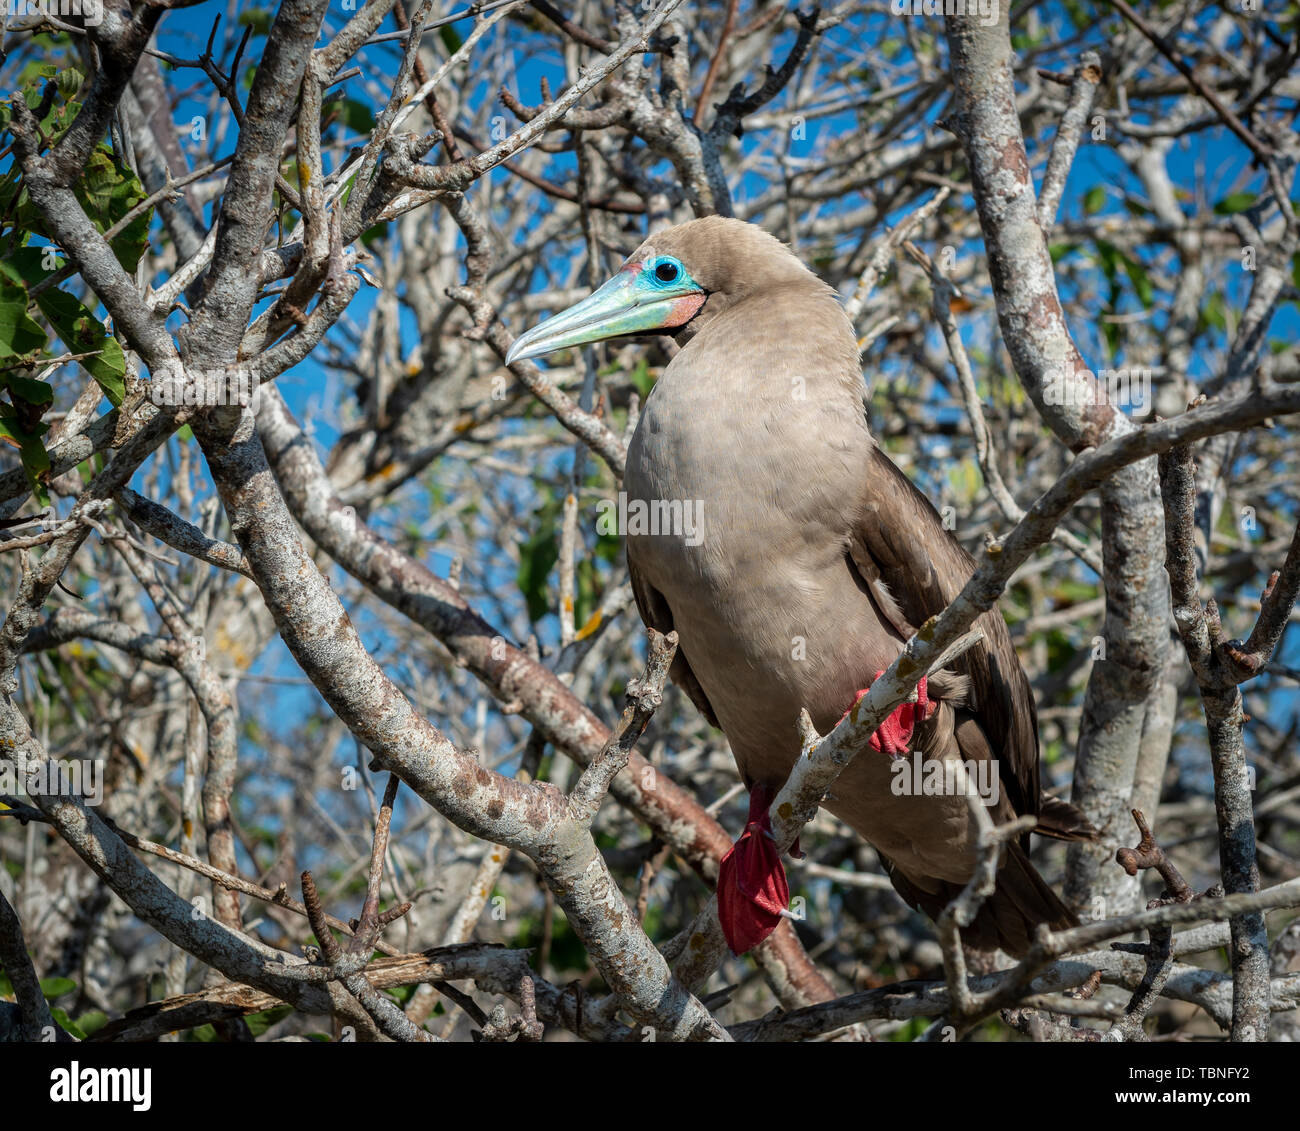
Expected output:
(809, 560)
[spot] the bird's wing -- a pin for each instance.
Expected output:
(656, 614)
(899, 546)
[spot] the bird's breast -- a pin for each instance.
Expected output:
(738, 513)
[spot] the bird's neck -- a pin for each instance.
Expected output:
(792, 342)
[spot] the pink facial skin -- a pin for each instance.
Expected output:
(684, 309)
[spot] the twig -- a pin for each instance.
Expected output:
(36, 1020)
(715, 62)
(644, 697)
(1148, 854)
(1221, 701)
(878, 264)
(1083, 89)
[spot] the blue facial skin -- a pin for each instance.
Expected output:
(665, 271)
(659, 295)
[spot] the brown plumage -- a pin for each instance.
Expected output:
(816, 559)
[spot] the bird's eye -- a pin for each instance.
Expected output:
(666, 271)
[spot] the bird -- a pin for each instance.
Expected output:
(809, 561)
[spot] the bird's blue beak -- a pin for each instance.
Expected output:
(635, 301)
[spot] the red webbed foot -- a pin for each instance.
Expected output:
(894, 735)
(753, 893)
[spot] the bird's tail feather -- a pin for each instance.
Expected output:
(1019, 903)
(1062, 821)
(1009, 917)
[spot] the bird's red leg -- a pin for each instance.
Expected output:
(753, 892)
(894, 735)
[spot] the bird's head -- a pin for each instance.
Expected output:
(677, 279)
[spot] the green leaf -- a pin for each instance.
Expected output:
(82, 332)
(401, 994)
(1110, 331)
(537, 557)
(450, 39)
(108, 190)
(372, 237)
(92, 1021)
(15, 205)
(36, 73)
(1235, 202)
(31, 390)
(640, 377)
(1214, 313)
(1094, 200)
(23, 268)
(67, 1024)
(60, 113)
(259, 19)
(357, 116)
(259, 1023)
(79, 329)
(56, 987)
(1141, 281)
(20, 335)
(1079, 16)
(69, 81)
(1108, 256)
(35, 459)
